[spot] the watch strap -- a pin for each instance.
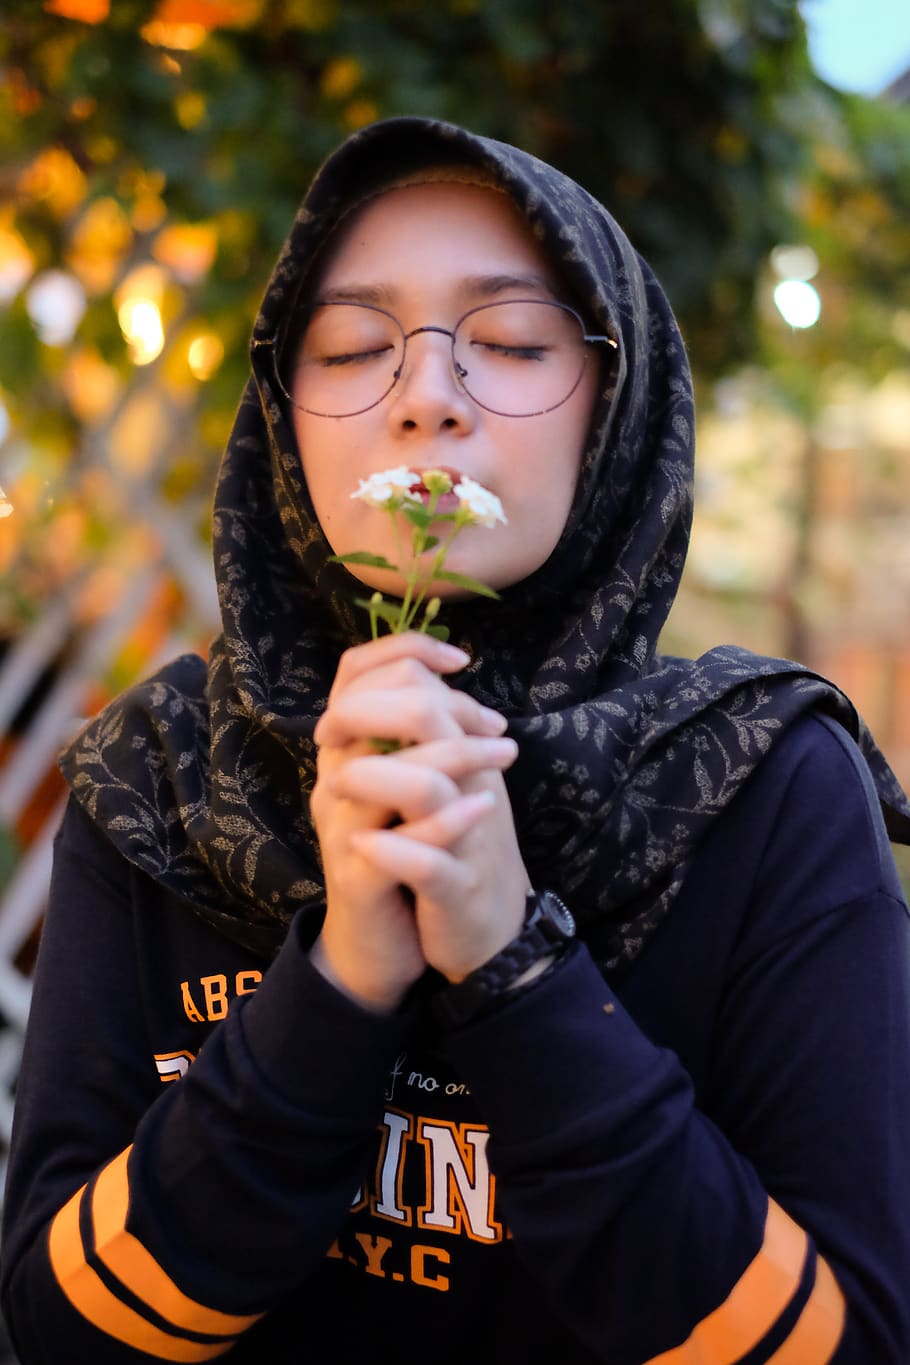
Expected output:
(548, 930)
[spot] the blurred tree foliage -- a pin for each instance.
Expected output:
(854, 209)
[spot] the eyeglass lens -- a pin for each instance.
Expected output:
(516, 358)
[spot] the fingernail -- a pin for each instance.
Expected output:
(492, 721)
(453, 653)
(501, 747)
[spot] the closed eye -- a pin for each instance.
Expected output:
(512, 352)
(354, 357)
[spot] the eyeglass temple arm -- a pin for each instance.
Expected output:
(608, 340)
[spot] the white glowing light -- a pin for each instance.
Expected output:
(138, 302)
(56, 304)
(798, 303)
(794, 262)
(140, 322)
(6, 507)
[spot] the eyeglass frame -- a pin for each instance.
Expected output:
(587, 340)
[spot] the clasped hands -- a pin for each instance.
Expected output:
(422, 865)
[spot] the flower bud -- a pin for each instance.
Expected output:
(436, 481)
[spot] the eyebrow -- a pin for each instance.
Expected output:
(379, 294)
(476, 286)
(488, 285)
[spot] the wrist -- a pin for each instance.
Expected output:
(548, 931)
(367, 994)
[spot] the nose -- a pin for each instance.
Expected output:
(428, 396)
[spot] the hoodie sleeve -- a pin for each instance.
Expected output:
(756, 1206)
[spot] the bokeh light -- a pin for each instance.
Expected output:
(138, 304)
(798, 303)
(55, 301)
(794, 262)
(205, 354)
(188, 249)
(141, 325)
(16, 264)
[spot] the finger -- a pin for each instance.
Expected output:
(449, 758)
(418, 853)
(400, 675)
(407, 791)
(414, 715)
(437, 655)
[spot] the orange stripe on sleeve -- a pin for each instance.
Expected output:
(819, 1327)
(136, 1267)
(90, 1296)
(755, 1302)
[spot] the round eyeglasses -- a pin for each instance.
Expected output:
(517, 358)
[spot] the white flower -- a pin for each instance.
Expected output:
(484, 507)
(392, 484)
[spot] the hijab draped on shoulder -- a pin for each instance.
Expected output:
(201, 775)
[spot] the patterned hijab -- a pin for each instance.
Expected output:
(201, 775)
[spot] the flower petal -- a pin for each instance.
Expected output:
(379, 490)
(484, 507)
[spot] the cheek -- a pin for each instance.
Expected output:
(552, 462)
(552, 467)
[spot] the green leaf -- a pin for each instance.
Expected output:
(438, 632)
(419, 516)
(363, 557)
(390, 612)
(416, 515)
(463, 581)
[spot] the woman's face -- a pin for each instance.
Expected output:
(427, 254)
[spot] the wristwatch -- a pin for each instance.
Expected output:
(548, 930)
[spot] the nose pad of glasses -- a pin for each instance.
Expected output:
(459, 370)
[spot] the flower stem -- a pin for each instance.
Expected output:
(374, 619)
(408, 582)
(416, 588)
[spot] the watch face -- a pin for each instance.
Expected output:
(554, 912)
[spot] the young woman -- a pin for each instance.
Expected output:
(319, 1060)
